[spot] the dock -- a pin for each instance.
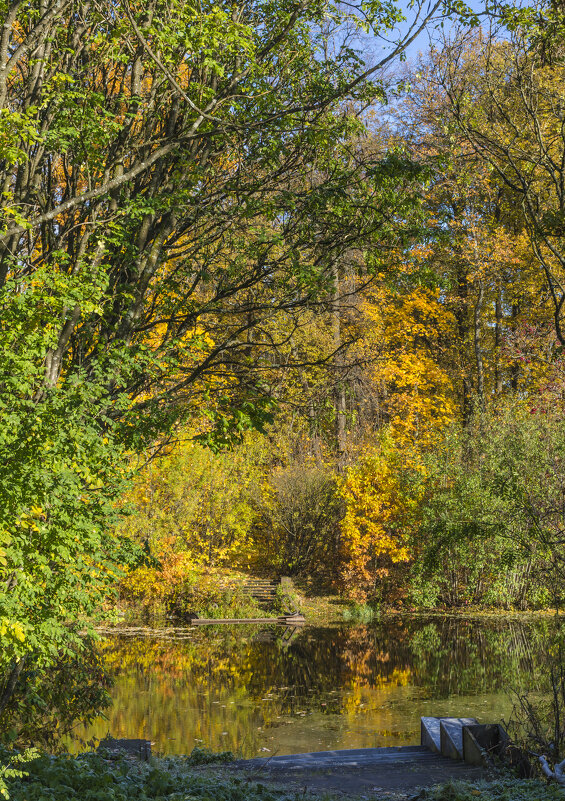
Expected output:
(295, 619)
(450, 749)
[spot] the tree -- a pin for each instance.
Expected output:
(476, 250)
(380, 495)
(173, 176)
(506, 99)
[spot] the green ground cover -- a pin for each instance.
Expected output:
(204, 777)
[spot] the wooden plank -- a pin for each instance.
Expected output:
(291, 620)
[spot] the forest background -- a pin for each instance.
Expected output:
(269, 307)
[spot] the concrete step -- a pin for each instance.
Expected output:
(444, 735)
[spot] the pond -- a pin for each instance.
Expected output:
(260, 691)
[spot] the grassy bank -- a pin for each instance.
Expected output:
(206, 777)
(220, 593)
(319, 610)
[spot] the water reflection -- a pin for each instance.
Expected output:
(261, 692)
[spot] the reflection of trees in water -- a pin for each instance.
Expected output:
(454, 656)
(226, 686)
(446, 655)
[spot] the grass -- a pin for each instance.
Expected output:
(508, 789)
(204, 776)
(361, 613)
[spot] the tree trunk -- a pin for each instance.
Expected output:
(477, 337)
(461, 317)
(498, 342)
(339, 385)
(8, 688)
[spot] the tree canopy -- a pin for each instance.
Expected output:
(179, 181)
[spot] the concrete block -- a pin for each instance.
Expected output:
(430, 734)
(137, 748)
(451, 736)
(482, 742)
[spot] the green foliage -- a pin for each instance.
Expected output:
(91, 777)
(229, 425)
(492, 520)
(361, 613)
(61, 471)
(286, 600)
(204, 756)
(11, 764)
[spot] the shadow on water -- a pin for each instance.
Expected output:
(259, 692)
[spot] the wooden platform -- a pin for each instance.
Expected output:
(285, 620)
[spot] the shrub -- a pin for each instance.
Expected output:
(298, 528)
(91, 777)
(361, 613)
(491, 519)
(176, 589)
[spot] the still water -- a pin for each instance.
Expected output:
(260, 691)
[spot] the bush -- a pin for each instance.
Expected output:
(298, 528)
(212, 596)
(491, 520)
(361, 613)
(176, 589)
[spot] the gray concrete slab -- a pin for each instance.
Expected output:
(451, 735)
(430, 734)
(398, 772)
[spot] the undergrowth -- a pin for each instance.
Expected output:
(361, 613)
(508, 789)
(94, 777)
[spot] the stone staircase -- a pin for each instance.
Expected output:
(265, 590)
(444, 741)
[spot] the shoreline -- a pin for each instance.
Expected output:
(327, 611)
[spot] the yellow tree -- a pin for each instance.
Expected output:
(380, 495)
